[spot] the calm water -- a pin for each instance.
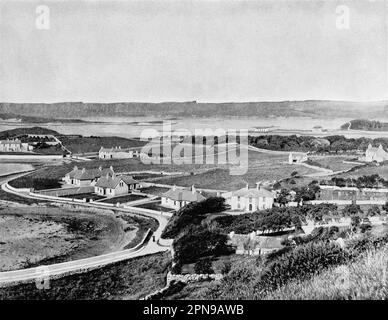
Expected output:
(134, 126)
(8, 168)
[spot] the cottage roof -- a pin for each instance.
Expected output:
(89, 174)
(112, 182)
(114, 150)
(183, 195)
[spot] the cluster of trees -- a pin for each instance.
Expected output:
(371, 181)
(305, 193)
(330, 144)
(275, 219)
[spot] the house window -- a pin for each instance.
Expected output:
(121, 184)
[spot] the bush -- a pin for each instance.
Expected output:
(192, 214)
(198, 242)
(203, 266)
(304, 261)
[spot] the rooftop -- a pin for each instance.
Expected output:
(89, 174)
(113, 181)
(184, 195)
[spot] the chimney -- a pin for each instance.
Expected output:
(258, 185)
(380, 146)
(111, 169)
(75, 168)
(174, 187)
(193, 189)
(100, 168)
(369, 146)
(83, 170)
(247, 186)
(120, 147)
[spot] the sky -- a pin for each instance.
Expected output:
(208, 51)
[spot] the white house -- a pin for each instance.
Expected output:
(117, 153)
(375, 154)
(297, 157)
(14, 145)
(111, 186)
(178, 198)
(86, 177)
(249, 199)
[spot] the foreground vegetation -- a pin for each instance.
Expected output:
(363, 279)
(132, 279)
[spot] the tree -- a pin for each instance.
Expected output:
(374, 211)
(192, 214)
(355, 222)
(284, 197)
(203, 266)
(385, 207)
(352, 210)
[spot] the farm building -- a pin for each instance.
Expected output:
(117, 153)
(297, 157)
(375, 154)
(14, 145)
(250, 199)
(112, 185)
(178, 198)
(86, 177)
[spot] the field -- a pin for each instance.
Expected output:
(123, 199)
(32, 235)
(120, 166)
(333, 163)
(368, 170)
(154, 206)
(127, 280)
(262, 167)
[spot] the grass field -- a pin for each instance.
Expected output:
(333, 163)
(123, 199)
(368, 170)
(154, 206)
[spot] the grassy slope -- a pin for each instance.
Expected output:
(130, 279)
(365, 278)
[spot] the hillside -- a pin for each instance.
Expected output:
(311, 108)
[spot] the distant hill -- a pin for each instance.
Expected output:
(366, 125)
(22, 131)
(12, 117)
(310, 108)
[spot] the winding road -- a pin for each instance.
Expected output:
(45, 272)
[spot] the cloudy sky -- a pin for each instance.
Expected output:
(111, 51)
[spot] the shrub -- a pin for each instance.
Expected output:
(197, 242)
(192, 214)
(203, 266)
(304, 261)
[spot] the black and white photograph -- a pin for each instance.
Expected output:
(207, 150)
